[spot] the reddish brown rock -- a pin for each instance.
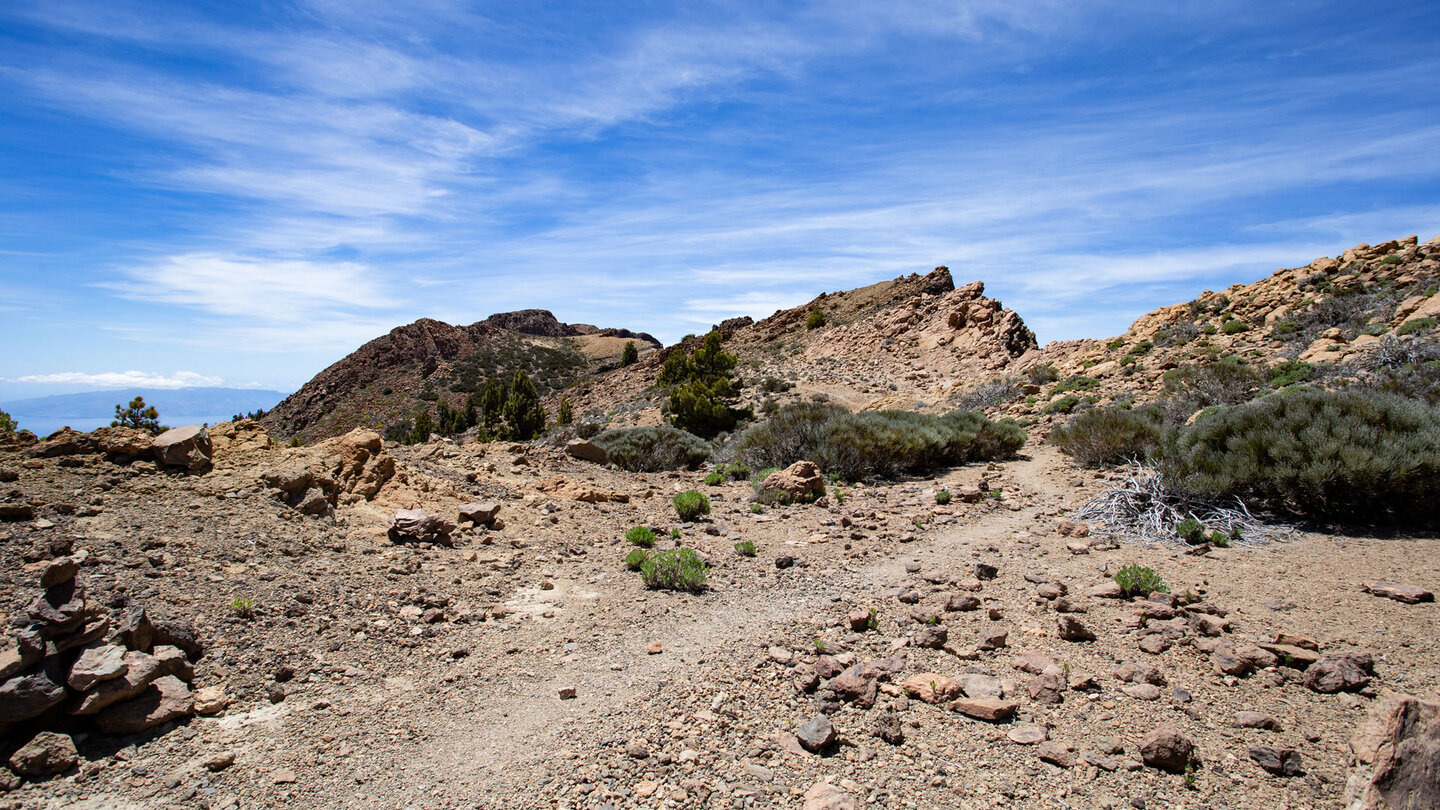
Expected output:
(1168, 749)
(991, 709)
(1395, 757)
(1409, 594)
(164, 699)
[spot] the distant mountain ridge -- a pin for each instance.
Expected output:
(101, 404)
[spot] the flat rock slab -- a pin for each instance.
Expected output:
(991, 709)
(98, 664)
(165, 699)
(1409, 594)
(1028, 734)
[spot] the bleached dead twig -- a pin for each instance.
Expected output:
(1140, 508)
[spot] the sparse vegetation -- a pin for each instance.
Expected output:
(564, 413)
(243, 607)
(636, 558)
(1235, 327)
(701, 388)
(1135, 580)
(630, 355)
(942, 497)
(641, 536)
(1064, 404)
(1417, 325)
(653, 449)
(679, 569)
(690, 505)
(1109, 435)
(714, 479)
(745, 548)
(815, 319)
(7, 423)
(875, 443)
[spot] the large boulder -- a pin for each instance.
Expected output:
(1168, 749)
(187, 447)
(801, 482)
(1395, 757)
(63, 442)
(122, 441)
(29, 695)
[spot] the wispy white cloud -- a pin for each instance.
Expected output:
(123, 379)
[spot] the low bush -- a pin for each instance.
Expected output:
(1075, 384)
(690, 505)
(1190, 530)
(1235, 327)
(1417, 325)
(1064, 404)
(1042, 374)
(745, 548)
(988, 394)
(641, 536)
(874, 443)
(714, 479)
(651, 449)
(636, 558)
(942, 497)
(243, 607)
(735, 472)
(1225, 382)
(1290, 372)
(1109, 435)
(815, 319)
(680, 569)
(1135, 580)
(1332, 455)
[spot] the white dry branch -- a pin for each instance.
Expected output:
(1140, 508)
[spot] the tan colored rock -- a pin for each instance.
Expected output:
(122, 441)
(587, 451)
(210, 701)
(825, 796)
(931, 687)
(800, 482)
(1409, 594)
(46, 754)
(96, 664)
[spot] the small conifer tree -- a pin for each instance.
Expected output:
(564, 414)
(630, 355)
(523, 412)
(137, 415)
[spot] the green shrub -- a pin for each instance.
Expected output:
(1225, 382)
(680, 569)
(1411, 327)
(702, 389)
(874, 443)
(1190, 530)
(1219, 539)
(653, 449)
(564, 413)
(1109, 435)
(942, 497)
(1342, 455)
(735, 471)
(641, 536)
(1290, 372)
(1285, 328)
(7, 423)
(1235, 327)
(630, 355)
(757, 508)
(243, 607)
(1065, 404)
(815, 319)
(523, 413)
(690, 505)
(1393, 258)
(636, 558)
(1137, 581)
(1075, 384)
(1040, 375)
(714, 479)
(745, 548)
(1141, 348)
(1210, 329)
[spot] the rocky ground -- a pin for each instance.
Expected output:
(525, 666)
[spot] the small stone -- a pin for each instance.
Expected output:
(164, 699)
(962, 601)
(58, 571)
(1056, 753)
(646, 789)
(931, 687)
(825, 796)
(220, 761)
(985, 571)
(1334, 672)
(654, 648)
(568, 693)
(284, 776)
(931, 636)
(1032, 661)
(1028, 734)
(1156, 643)
(991, 709)
(758, 772)
(1168, 749)
(46, 754)
(1048, 687)
(1279, 761)
(1256, 720)
(993, 639)
(211, 701)
(1142, 691)
(859, 620)
(888, 728)
(816, 734)
(635, 750)
(1071, 629)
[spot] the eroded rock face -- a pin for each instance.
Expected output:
(1395, 757)
(419, 526)
(164, 699)
(349, 468)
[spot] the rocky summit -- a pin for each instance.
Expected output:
(219, 617)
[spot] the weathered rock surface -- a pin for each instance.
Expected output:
(1395, 757)
(1168, 749)
(46, 754)
(187, 447)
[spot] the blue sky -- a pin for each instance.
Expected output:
(230, 193)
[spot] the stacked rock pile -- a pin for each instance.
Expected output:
(74, 672)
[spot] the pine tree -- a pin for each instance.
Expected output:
(492, 406)
(523, 413)
(564, 415)
(137, 415)
(700, 401)
(424, 426)
(630, 355)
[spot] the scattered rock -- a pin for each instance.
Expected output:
(481, 514)
(1056, 753)
(164, 699)
(801, 482)
(991, 709)
(1028, 734)
(1409, 594)
(46, 754)
(97, 664)
(1336, 672)
(587, 451)
(417, 525)
(825, 796)
(1071, 629)
(1279, 761)
(887, 727)
(817, 734)
(1256, 720)
(931, 636)
(931, 687)
(1168, 749)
